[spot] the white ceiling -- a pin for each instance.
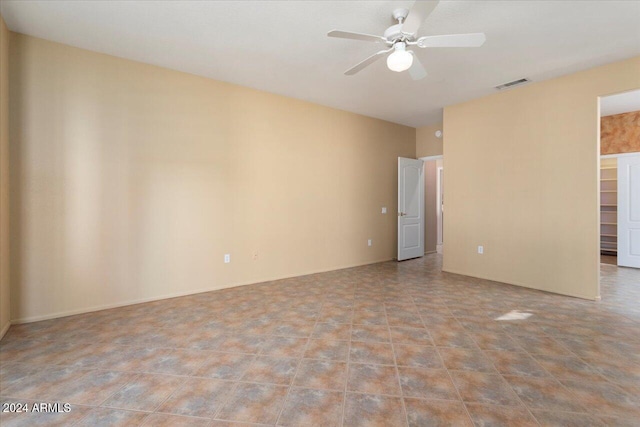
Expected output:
(620, 103)
(281, 46)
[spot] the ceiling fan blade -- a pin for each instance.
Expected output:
(453, 40)
(416, 70)
(418, 13)
(370, 60)
(356, 36)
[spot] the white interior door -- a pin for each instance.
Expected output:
(440, 207)
(410, 208)
(629, 211)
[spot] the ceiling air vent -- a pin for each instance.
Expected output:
(512, 84)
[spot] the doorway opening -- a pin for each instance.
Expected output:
(434, 204)
(619, 184)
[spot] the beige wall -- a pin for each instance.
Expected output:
(620, 133)
(522, 180)
(427, 144)
(4, 179)
(131, 182)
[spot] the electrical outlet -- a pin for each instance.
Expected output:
(369, 242)
(227, 258)
(255, 255)
(384, 210)
(480, 249)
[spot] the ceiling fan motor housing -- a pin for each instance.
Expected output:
(400, 14)
(394, 32)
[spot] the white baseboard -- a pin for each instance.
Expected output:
(5, 329)
(92, 309)
(590, 298)
(95, 308)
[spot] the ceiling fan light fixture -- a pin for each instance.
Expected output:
(400, 59)
(405, 32)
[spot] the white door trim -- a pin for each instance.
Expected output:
(615, 156)
(439, 210)
(426, 159)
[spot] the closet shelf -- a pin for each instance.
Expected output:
(608, 194)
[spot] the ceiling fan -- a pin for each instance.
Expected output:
(403, 35)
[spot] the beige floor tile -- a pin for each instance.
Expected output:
(566, 419)
(427, 383)
(389, 335)
(371, 352)
(145, 392)
(310, 407)
(417, 356)
(273, 370)
(108, 417)
(436, 413)
(254, 403)
(321, 374)
(465, 359)
(327, 349)
(373, 379)
(544, 393)
(480, 387)
(373, 411)
(198, 397)
(227, 366)
(165, 420)
(492, 415)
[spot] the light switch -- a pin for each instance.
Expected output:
(384, 210)
(227, 258)
(480, 249)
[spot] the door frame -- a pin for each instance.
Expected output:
(439, 204)
(615, 156)
(599, 156)
(426, 159)
(439, 226)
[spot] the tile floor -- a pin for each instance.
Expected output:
(382, 345)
